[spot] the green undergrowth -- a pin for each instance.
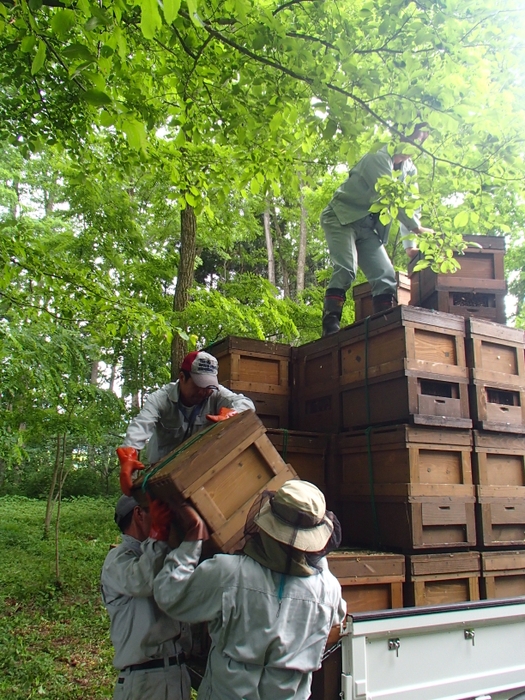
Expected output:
(54, 634)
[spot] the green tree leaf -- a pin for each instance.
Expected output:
(63, 22)
(40, 57)
(97, 98)
(150, 21)
(461, 219)
(171, 10)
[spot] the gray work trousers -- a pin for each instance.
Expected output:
(356, 244)
(170, 683)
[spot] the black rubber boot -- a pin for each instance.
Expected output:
(334, 300)
(383, 302)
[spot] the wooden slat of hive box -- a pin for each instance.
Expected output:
(437, 461)
(503, 574)
(221, 471)
(437, 579)
(362, 295)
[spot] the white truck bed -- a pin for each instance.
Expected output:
(451, 652)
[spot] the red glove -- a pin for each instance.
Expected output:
(192, 523)
(224, 414)
(129, 463)
(161, 517)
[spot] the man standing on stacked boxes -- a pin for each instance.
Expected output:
(357, 237)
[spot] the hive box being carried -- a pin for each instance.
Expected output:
(260, 370)
(221, 471)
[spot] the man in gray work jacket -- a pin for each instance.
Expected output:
(149, 646)
(271, 608)
(176, 411)
(355, 236)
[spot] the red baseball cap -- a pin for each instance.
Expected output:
(203, 369)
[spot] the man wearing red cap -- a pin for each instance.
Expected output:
(176, 411)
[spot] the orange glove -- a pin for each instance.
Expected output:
(192, 523)
(224, 414)
(129, 463)
(160, 517)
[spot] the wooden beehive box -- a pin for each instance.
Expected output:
(438, 579)
(407, 523)
(370, 581)
(362, 294)
(495, 355)
(272, 409)
(220, 471)
(482, 270)
(503, 574)
(499, 472)
(405, 338)
(476, 290)
(315, 386)
(501, 521)
(247, 365)
(406, 365)
(469, 302)
(406, 397)
(433, 461)
(260, 370)
(499, 464)
(306, 452)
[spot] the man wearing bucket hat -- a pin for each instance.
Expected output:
(149, 646)
(269, 608)
(177, 410)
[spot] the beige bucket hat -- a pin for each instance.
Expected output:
(296, 516)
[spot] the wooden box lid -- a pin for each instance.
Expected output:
(249, 345)
(362, 565)
(449, 563)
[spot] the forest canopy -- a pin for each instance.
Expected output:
(164, 164)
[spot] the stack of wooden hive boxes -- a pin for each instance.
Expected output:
(412, 422)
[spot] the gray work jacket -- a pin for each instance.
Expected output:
(165, 424)
(264, 647)
(351, 201)
(139, 630)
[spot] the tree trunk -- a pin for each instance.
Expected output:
(301, 256)
(94, 372)
(284, 269)
(188, 251)
(61, 480)
(112, 378)
(51, 493)
(269, 246)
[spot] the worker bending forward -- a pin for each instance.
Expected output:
(270, 608)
